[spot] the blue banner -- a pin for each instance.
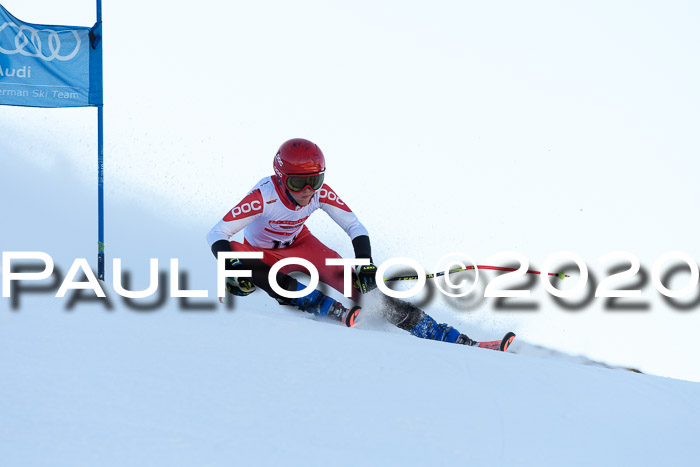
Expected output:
(49, 66)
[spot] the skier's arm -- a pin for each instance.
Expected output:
(365, 275)
(362, 247)
(234, 221)
(347, 220)
(219, 246)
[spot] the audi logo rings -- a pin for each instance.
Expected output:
(27, 35)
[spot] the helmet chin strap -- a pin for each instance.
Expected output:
(286, 192)
(289, 195)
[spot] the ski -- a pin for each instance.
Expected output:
(349, 319)
(501, 345)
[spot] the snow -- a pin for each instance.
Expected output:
(463, 127)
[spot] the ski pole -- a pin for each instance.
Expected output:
(560, 275)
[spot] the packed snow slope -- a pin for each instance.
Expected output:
(267, 387)
(87, 382)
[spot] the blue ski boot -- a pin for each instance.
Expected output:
(428, 328)
(319, 304)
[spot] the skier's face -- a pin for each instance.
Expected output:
(304, 196)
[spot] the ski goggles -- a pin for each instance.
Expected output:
(297, 183)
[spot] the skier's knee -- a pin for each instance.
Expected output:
(402, 314)
(286, 282)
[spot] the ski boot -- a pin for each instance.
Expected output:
(319, 304)
(428, 328)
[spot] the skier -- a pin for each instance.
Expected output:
(272, 217)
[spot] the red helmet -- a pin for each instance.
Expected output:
(300, 163)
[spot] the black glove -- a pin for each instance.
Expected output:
(240, 286)
(365, 278)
